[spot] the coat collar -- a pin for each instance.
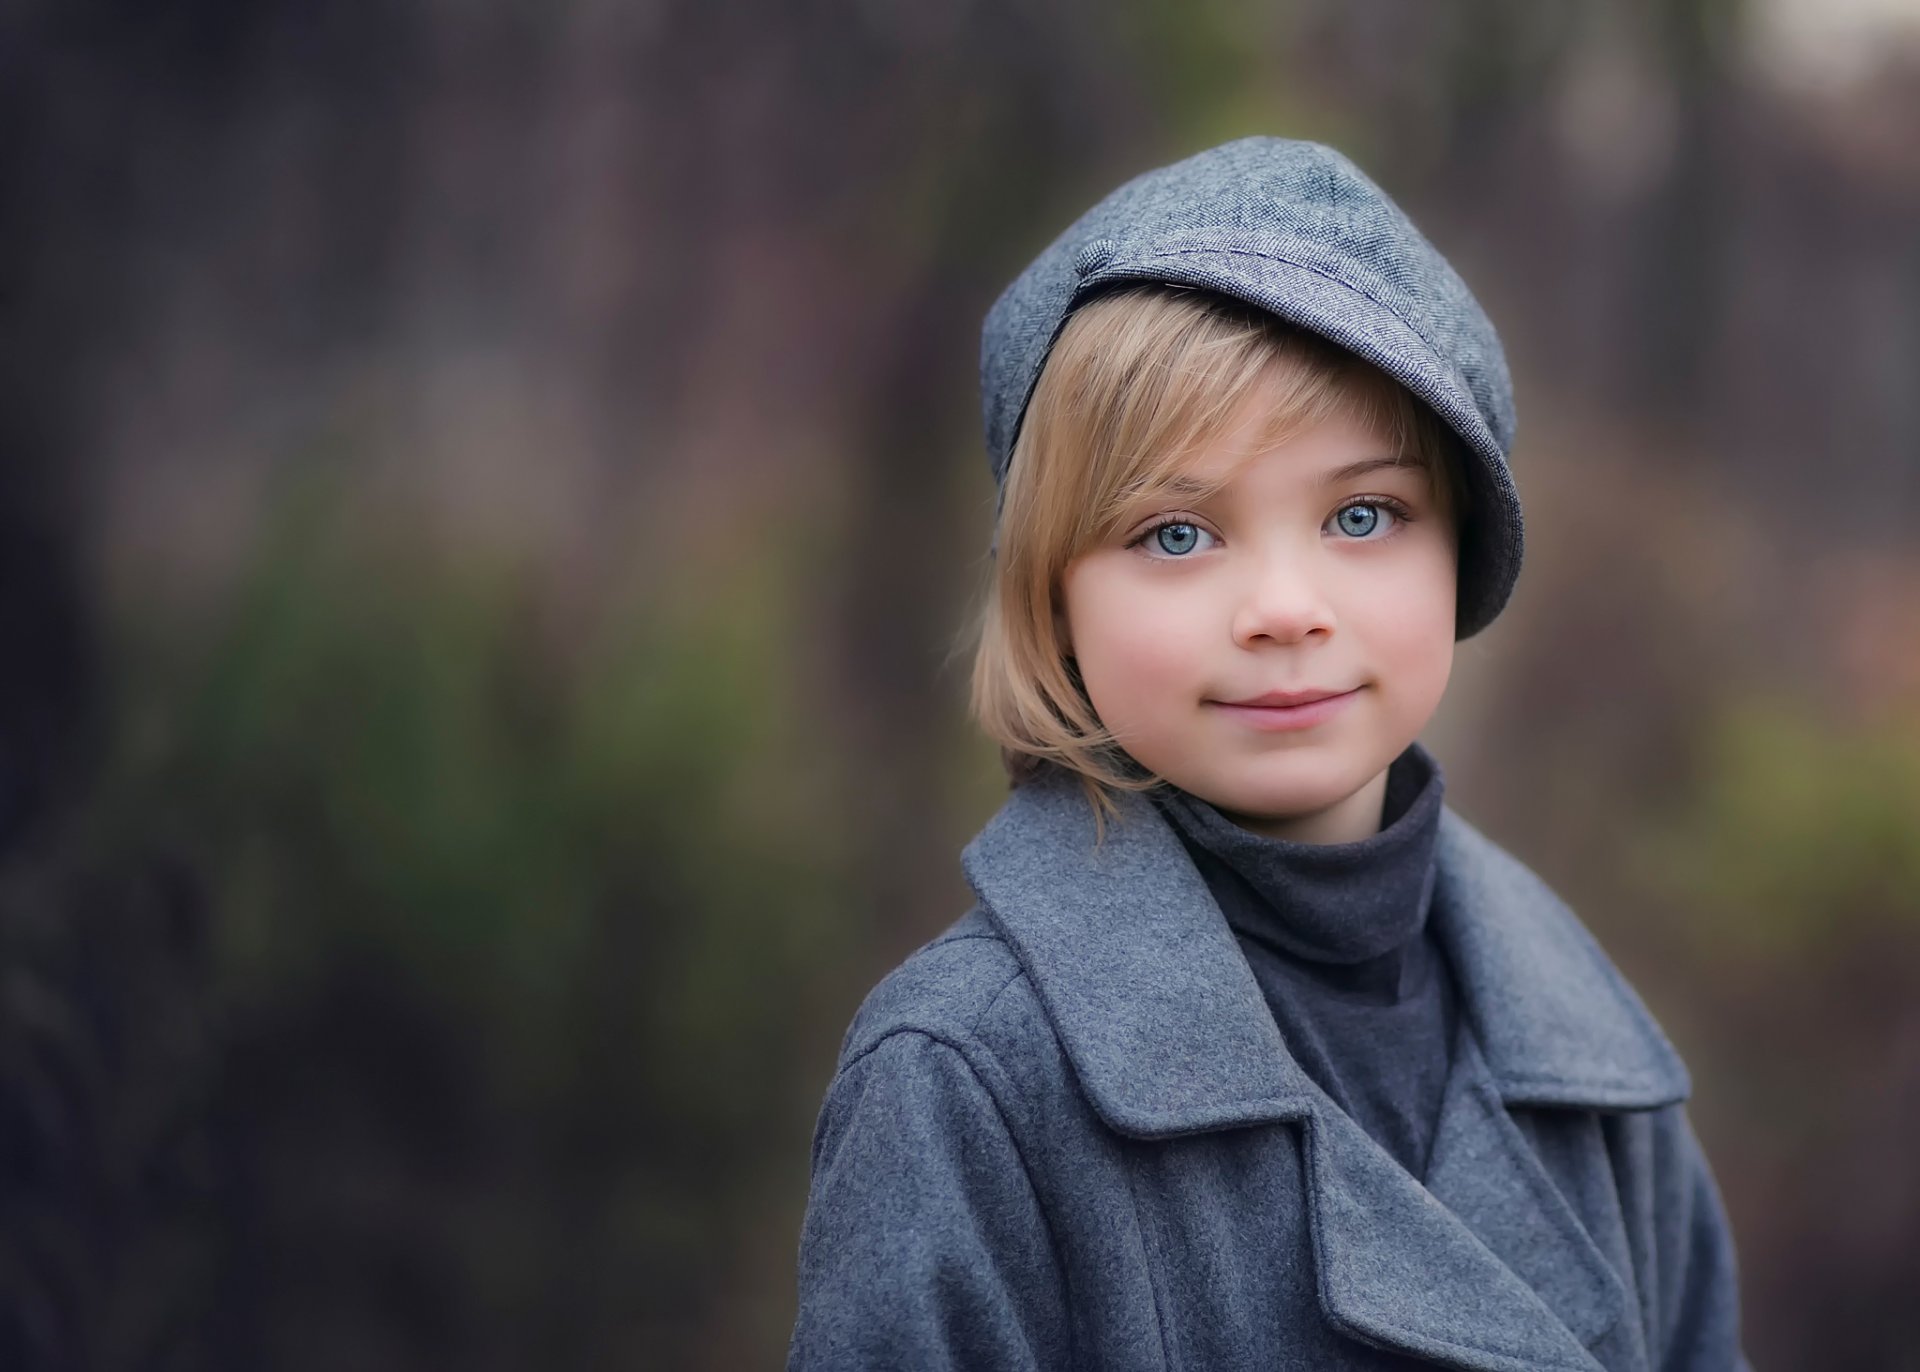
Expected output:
(1168, 1033)
(1166, 1027)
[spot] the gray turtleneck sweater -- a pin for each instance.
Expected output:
(1337, 936)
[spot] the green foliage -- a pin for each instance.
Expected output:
(377, 755)
(587, 876)
(1800, 830)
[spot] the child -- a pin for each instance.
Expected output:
(1252, 1054)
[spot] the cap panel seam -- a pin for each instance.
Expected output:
(1320, 272)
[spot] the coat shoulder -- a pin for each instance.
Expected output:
(965, 988)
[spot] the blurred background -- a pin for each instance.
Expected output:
(490, 494)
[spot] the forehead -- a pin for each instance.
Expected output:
(1264, 446)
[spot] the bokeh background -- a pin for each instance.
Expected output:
(489, 499)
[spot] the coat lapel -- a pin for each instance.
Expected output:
(1399, 1268)
(1483, 1171)
(1484, 1266)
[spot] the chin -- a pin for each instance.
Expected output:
(1295, 798)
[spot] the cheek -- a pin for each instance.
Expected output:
(1415, 624)
(1135, 647)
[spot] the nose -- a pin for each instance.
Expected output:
(1282, 601)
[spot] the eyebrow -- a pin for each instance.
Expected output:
(1181, 487)
(1178, 487)
(1373, 464)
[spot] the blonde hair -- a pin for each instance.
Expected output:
(1140, 381)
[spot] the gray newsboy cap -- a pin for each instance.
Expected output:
(1297, 229)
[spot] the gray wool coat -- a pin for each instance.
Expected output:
(1067, 1134)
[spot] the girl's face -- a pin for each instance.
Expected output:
(1272, 647)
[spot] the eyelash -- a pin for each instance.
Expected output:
(1401, 515)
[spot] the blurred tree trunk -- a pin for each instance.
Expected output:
(1684, 234)
(110, 1256)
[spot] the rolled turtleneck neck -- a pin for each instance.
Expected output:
(1332, 903)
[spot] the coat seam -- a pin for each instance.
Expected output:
(1154, 1284)
(1133, 1197)
(1053, 1238)
(964, 1052)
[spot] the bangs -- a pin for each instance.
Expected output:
(1160, 386)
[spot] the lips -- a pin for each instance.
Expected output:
(1286, 711)
(1285, 699)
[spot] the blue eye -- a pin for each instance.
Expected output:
(1176, 539)
(1361, 519)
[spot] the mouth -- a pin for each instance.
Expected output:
(1284, 711)
(1285, 699)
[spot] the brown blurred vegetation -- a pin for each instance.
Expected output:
(490, 495)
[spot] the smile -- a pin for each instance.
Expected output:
(1303, 715)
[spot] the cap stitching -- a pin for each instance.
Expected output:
(1418, 332)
